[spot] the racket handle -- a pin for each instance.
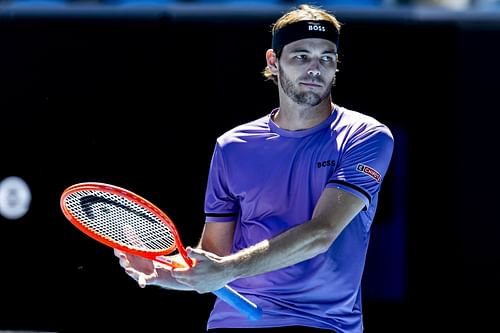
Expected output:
(240, 302)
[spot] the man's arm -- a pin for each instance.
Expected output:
(335, 209)
(217, 237)
(333, 212)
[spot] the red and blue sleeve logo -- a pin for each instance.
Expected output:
(369, 171)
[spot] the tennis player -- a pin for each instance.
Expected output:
(291, 197)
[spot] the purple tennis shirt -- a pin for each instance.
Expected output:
(268, 180)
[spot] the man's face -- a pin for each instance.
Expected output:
(307, 70)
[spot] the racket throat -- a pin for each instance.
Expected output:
(170, 263)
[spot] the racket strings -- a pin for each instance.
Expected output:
(132, 225)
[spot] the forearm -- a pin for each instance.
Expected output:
(293, 246)
(332, 214)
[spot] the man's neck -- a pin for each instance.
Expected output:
(294, 117)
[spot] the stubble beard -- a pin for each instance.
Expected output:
(302, 98)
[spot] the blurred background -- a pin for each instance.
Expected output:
(134, 93)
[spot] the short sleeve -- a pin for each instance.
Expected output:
(220, 204)
(365, 161)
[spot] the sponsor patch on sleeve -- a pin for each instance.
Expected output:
(369, 171)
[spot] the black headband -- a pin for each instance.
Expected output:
(304, 29)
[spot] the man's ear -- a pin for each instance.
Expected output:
(272, 61)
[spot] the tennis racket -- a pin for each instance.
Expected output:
(127, 222)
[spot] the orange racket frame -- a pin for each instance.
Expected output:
(112, 189)
(226, 293)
